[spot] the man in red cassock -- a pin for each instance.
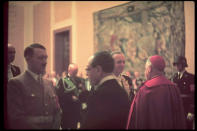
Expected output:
(158, 104)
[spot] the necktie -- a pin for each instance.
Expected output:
(40, 79)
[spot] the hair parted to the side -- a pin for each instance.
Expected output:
(29, 50)
(105, 60)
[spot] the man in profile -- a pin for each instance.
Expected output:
(108, 104)
(31, 99)
(157, 104)
(13, 70)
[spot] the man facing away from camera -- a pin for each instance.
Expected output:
(157, 104)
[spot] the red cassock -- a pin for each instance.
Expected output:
(157, 105)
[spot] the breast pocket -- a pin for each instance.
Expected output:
(33, 103)
(53, 98)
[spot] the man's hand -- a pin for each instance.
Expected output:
(74, 98)
(190, 116)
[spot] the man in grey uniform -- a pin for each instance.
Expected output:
(31, 100)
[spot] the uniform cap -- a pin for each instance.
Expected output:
(158, 62)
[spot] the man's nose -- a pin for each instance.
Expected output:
(44, 62)
(87, 74)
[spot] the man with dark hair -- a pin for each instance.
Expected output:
(125, 81)
(108, 105)
(185, 82)
(13, 70)
(31, 100)
(157, 104)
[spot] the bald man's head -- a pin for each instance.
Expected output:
(73, 70)
(11, 53)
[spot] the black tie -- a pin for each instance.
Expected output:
(40, 79)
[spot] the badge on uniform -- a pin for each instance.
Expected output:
(70, 85)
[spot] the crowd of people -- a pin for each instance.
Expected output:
(106, 99)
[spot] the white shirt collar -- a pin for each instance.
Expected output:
(106, 78)
(181, 73)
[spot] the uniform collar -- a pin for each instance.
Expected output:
(157, 80)
(34, 75)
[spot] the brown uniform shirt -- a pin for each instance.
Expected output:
(31, 105)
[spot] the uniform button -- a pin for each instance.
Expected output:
(46, 104)
(32, 95)
(46, 113)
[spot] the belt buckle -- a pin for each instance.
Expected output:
(48, 119)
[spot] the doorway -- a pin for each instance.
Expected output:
(62, 50)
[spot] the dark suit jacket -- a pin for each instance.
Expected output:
(26, 98)
(107, 107)
(15, 70)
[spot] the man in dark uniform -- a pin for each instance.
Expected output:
(13, 70)
(185, 82)
(69, 90)
(31, 100)
(157, 104)
(108, 104)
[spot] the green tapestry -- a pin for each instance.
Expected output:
(140, 29)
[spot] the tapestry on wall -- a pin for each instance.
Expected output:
(140, 29)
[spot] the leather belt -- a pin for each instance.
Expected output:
(40, 119)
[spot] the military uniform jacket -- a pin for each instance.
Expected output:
(68, 91)
(31, 105)
(184, 84)
(68, 87)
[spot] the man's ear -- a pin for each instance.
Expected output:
(27, 58)
(99, 69)
(150, 68)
